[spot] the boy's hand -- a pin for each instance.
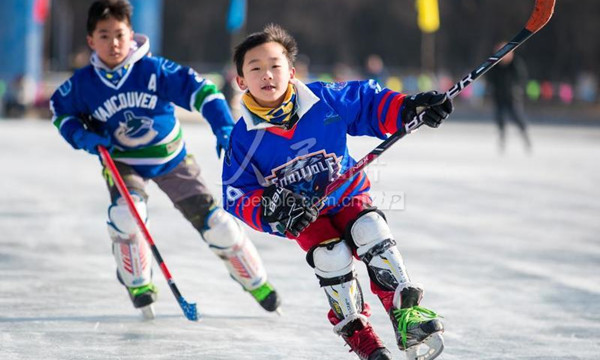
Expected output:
(89, 141)
(286, 210)
(222, 135)
(437, 107)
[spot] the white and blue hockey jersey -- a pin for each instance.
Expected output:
(133, 103)
(306, 158)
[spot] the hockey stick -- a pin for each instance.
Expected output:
(539, 18)
(189, 309)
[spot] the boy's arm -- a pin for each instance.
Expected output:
(65, 117)
(370, 110)
(242, 192)
(186, 88)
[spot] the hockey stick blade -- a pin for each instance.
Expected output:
(189, 309)
(541, 15)
(543, 11)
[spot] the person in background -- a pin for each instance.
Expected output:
(375, 69)
(507, 82)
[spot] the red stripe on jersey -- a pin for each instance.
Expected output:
(257, 221)
(391, 118)
(250, 203)
(380, 111)
(382, 104)
(366, 185)
(257, 197)
(238, 206)
(359, 178)
(288, 134)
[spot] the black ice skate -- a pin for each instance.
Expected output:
(142, 298)
(416, 326)
(267, 297)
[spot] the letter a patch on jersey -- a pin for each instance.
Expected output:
(152, 83)
(65, 88)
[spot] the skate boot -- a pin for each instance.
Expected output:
(267, 297)
(360, 336)
(414, 325)
(142, 298)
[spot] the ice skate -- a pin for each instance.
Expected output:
(360, 336)
(418, 330)
(267, 297)
(142, 298)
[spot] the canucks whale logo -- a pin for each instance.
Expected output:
(135, 131)
(307, 175)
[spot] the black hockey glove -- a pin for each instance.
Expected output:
(287, 211)
(437, 107)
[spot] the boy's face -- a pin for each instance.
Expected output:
(111, 40)
(267, 74)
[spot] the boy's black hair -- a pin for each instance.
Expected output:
(271, 33)
(103, 9)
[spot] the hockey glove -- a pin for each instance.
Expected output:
(89, 141)
(222, 135)
(437, 107)
(287, 211)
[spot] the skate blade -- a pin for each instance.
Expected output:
(148, 312)
(429, 349)
(279, 311)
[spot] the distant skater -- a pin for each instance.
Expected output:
(507, 80)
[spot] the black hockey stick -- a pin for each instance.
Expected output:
(189, 309)
(539, 18)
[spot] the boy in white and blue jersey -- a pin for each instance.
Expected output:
(126, 97)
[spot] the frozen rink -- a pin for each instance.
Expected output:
(507, 248)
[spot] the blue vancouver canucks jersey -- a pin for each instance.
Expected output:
(134, 104)
(308, 157)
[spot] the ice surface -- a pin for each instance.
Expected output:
(507, 248)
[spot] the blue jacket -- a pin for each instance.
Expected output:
(134, 105)
(306, 158)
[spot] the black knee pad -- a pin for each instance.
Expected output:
(196, 208)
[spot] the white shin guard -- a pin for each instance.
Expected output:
(131, 251)
(376, 247)
(334, 267)
(227, 239)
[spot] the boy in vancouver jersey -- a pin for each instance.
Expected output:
(127, 96)
(288, 145)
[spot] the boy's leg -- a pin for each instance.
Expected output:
(131, 251)
(333, 264)
(221, 231)
(375, 246)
